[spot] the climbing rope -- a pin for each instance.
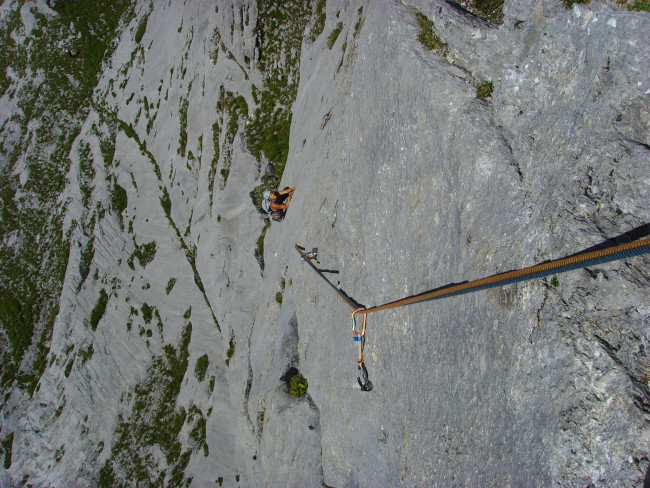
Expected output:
(307, 257)
(357, 335)
(582, 260)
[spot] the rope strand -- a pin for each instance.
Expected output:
(552, 267)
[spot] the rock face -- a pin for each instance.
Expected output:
(406, 182)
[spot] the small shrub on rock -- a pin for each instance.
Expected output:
(297, 386)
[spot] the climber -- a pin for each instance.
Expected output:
(276, 203)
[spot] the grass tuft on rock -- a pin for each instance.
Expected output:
(231, 351)
(7, 447)
(568, 4)
(142, 28)
(334, 35)
(428, 36)
(640, 6)
(201, 367)
(259, 251)
(319, 24)
(100, 307)
(484, 90)
(490, 10)
(297, 386)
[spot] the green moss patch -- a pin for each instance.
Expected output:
(66, 51)
(319, 22)
(297, 386)
(428, 36)
(568, 4)
(201, 367)
(144, 253)
(484, 90)
(153, 425)
(639, 6)
(490, 10)
(267, 131)
(142, 28)
(231, 351)
(334, 35)
(7, 448)
(100, 307)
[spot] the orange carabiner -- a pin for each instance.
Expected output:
(363, 324)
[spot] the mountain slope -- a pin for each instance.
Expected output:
(179, 314)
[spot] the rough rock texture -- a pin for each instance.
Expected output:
(406, 181)
(414, 183)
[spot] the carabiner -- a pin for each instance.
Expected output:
(354, 323)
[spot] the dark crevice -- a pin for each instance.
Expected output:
(247, 393)
(249, 382)
(513, 161)
(289, 373)
(638, 143)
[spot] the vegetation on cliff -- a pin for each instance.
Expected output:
(49, 70)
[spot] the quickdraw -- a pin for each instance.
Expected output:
(580, 260)
(360, 338)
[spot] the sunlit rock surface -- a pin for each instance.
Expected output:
(406, 182)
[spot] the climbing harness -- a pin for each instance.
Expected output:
(582, 260)
(276, 215)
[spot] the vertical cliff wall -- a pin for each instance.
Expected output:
(183, 312)
(414, 183)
